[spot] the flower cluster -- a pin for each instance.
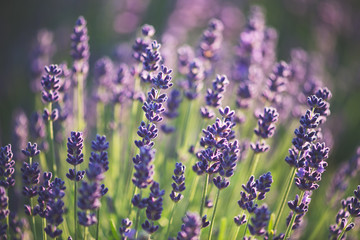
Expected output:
(214, 96)
(80, 47)
(50, 94)
(350, 209)
(191, 227)
(7, 167)
(266, 128)
(254, 190)
(4, 212)
(75, 156)
(211, 40)
(154, 208)
(179, 182)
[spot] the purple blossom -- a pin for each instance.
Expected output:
(6, 167)
(190, 229)
(80, 47)
(178, 185)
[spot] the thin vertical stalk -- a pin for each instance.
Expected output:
(51, 141)
(170, 221)
(284, 197)
(289, 228)
(204, 195)
(44, 226)
(254, 163)
(86, 231)
(75, 206)
(80, 100)
(214, 212)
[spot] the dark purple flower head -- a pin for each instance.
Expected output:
(87, 220)
(150, 228)
(139, 202)
(259, 222)
(221, 182)
(259, 147)
(144, 168)
(6, 167)
(100, 144)
(4, 211)
(226, 113)
(125, 227)
(74, 148)
(266, 128)
(240, 220)
(190, 229)
(163, 79)
(147, 132)
(324, 93)
(263, 185)
(213, 96)
(51, 84)
(31, 177)
(179, 182)
(90, 194)
(31, 150)
(80, 47)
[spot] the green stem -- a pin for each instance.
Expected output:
(75, 206)
(170, 221)
(44, 226)
(204, 195)
(343, 230)
(86, 230)
(254, 163)
(290, 226)
(33, 218)
(80, 100)
(98, 223)
(214, 212)
(284, 197)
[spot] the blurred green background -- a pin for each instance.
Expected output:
(329, 28)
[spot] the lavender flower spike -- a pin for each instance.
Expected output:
(4, 212)
(6, 167)
(191, 227)
(80, 47)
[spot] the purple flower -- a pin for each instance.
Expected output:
(173, 104)
(125, 228)
(211, 40)
(31, 177)
(190, 229)
(4, 212)
(258, 223)
(31, 150)
(80, 47)
(266, 127)
(144, 167)
(214, 96)
(51, 84)
(178, 185)
(75, 155)
(195, 76)
(6, 167)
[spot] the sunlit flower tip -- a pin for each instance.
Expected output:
(31, 150)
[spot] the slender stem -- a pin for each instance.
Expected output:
(75, 206)
(98, 223)
(170, 221)
(44, 226)
(204, 195)
(284, 197)
(193, 188)
(86, 230)
(343, 230)
(290, 226)
(254, 163)
(80, 100)
(33, 218)
(214, 212)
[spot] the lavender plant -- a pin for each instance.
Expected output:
(159, 84)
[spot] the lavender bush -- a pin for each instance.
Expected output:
(194, 133)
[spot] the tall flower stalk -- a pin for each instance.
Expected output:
(75, 157)
(80, 54)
